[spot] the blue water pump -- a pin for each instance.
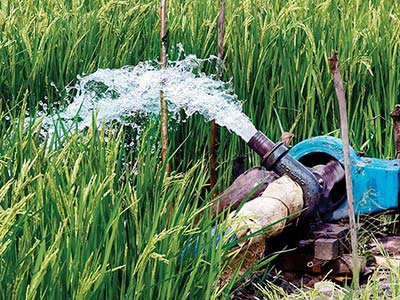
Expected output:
(375, 181)
(316, 165)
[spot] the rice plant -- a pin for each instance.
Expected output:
(91, 219)
(81, 221)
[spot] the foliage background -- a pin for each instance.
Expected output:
(64, 212)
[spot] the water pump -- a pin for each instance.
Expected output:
(375, 181)
(316, 165)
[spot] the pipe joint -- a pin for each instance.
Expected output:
(274, 155)
(276, 158)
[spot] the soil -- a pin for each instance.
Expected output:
(293, 282)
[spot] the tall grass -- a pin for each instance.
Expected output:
(89, 221)
(82, 222)
(277, 54)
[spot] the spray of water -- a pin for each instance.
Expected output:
(118, 94)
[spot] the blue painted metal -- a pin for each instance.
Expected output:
(375, 181)
(191, 246)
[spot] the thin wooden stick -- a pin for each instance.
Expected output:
(221, 21)
(163, 102)
(213, 133)
(337, 79)
(395, 114)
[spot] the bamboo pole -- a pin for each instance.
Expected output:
(213, 133)
(163, 102)
(337, 79)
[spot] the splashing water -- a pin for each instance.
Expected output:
(118, 94)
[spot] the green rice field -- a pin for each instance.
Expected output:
(86, 217)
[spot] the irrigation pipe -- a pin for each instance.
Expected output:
(281, 202)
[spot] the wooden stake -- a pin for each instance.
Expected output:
(163, 102)
(395, 114)
(337, 79)
(221, 21)
(213, 133)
